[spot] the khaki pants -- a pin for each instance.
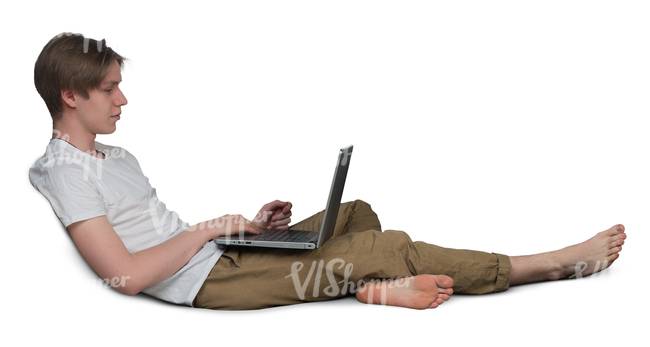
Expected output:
(253, 278)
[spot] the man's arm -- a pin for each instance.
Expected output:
(105, 252)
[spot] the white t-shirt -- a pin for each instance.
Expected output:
(80, 186)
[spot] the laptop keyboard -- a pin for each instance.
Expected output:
(282, 235)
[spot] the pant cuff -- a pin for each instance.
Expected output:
(503, 277)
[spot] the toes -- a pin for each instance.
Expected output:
(615, 249)
(437, 302)
(616, 229)
(612, 257)
(616, 243)
(447, 291)
(444, 281)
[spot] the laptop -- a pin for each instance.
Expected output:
(301, 239)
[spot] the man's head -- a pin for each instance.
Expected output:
(70, 62)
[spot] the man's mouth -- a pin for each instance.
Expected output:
(116, 117)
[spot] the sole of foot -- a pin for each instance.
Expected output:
(417, 292)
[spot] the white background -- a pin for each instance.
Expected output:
(506, 126)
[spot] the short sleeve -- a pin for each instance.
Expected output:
(72, 193)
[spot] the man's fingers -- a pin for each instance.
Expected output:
(247, 226)
(280, 223)
(280, 216)
(287, 208)
(280, 220)
(274, 205)
(252, 228)
(237, 223)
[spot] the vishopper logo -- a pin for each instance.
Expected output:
(347, 286)
(86, 41)
(346, 154)
(85, 159)
(581, 266)
(159, 221)
(112, 282)
(230, 224)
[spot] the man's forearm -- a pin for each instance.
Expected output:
(153, 265)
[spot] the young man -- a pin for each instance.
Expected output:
(129, 237)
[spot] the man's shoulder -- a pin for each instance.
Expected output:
(57, 158)
(62, 161)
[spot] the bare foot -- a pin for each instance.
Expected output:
(419, 292)
(593, 255)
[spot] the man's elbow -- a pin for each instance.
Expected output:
(129, 290)
(124, 285)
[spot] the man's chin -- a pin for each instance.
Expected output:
(107, 131)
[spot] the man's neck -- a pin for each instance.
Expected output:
(80, 139)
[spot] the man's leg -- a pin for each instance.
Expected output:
(251, 278)
(423, 291)
(237, 278)
(246, 278)
(254, 278)
(353, 216)
(584, 259)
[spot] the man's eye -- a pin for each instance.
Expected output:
(108, 90)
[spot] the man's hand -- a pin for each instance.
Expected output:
(274, 215)
(226, 225)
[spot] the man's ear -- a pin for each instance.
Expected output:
(69, 98)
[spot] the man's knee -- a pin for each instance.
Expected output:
(393, 240)
(398, 237)
(355, 205)
(360, 204)
(360, 216)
